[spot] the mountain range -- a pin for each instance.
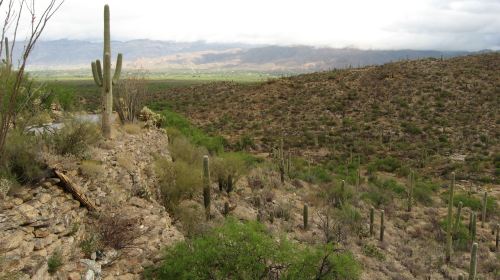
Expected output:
(200, 55)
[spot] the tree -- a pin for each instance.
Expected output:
(12, 79)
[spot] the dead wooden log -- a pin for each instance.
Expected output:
(72, 188)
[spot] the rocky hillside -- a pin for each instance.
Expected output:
(438, 115)
(42, 223)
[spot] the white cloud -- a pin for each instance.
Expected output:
(386, 24)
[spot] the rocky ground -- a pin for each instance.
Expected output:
(39, 221)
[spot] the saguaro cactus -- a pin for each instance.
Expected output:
(382, 226)
(483, 213)
(473, 262)
(497, 238)
(449, 220)
(473, 228)
(410, 191)
(458, 217)
(103, 79)
(7, 61)
(206, 187)
(372, 218)
(305, 216)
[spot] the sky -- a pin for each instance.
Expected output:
(366, 24)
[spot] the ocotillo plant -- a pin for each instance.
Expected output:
(372, 218)
(473, 262)
(305, 216)
(103, 79)
(458, 217)
(483, 213)
(382, 226)
(410, 190)
(449, 220)
(206, 187)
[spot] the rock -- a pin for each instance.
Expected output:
(54, 180)
(90, 275)
(12, 240)
(138, 202)
(28, 212)
(41, 243)
(41, 232)
(44, 198)
(74, 276)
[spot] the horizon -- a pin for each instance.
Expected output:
(445, 25)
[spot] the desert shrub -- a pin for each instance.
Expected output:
(472, 202)
(372, 251)
(177, 180)
(337, 195)
(389, 185)
(246, 142)
(461, 236)
(377, 197)
(54, 262)
(90, 244)
(75, 138)
(128, 98)
(132, 128)
(117, 231)
(183, 150)
(213, 144)
(312, 174)
(20, 159)
(247, 251)
(424, 191)
(388, 164)
(234, 164)
(192, 218)
(410, 128)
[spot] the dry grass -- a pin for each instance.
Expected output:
(91, 168)
(132, 128)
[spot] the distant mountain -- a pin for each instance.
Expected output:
(164, 55)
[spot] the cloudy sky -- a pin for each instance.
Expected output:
(367, 24)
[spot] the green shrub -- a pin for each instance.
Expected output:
(246, 251)
(183, 150)
(90, 244)
(372, 251)
(388, 164)
(75, 138)
(177, 180)
(423, 192)
(214, 144)
(472, 202)
(54, 262)
(20, 160)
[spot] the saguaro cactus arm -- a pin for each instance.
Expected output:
(118, 68)
(97, 72)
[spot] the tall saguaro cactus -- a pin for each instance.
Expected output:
(473, 262)
(103, 79)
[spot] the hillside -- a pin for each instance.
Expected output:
(438, 115)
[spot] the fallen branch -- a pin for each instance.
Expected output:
(72, 188)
